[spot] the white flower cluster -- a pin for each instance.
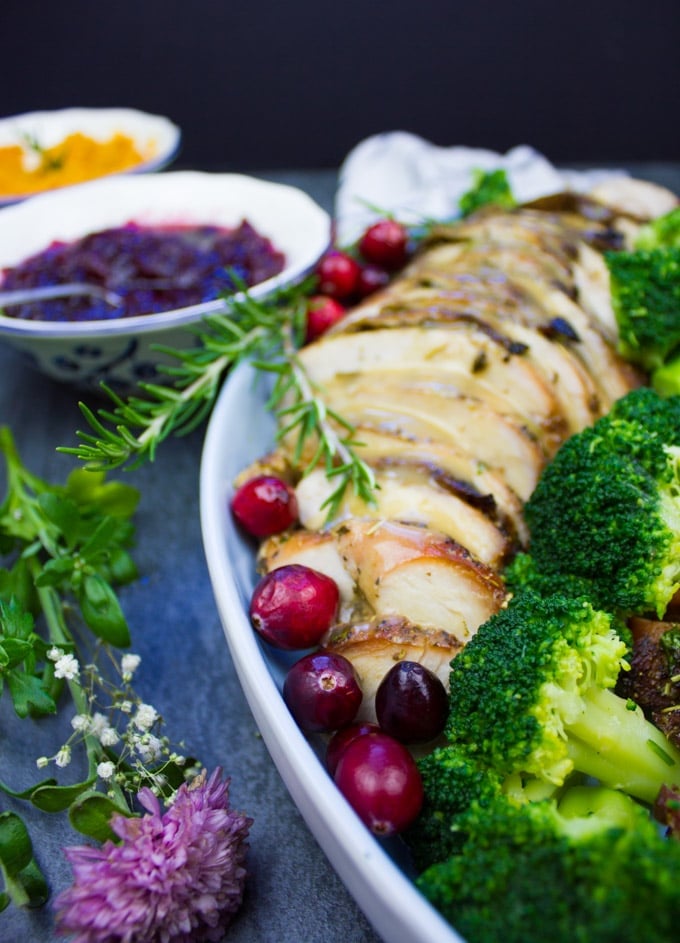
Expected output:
(106, 769)
(145, 717)
(98, 725)
(125, 722)
(129, 663)
(65, 665)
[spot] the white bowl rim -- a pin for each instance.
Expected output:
(316, 220)
(57, 123)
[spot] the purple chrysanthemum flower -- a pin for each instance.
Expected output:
(175, 877)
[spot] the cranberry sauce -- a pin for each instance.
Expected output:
(153, 269)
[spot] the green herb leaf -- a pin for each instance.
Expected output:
(54, 572)
(106, 534)
(15, 622)
(488, 188)
(33, 885)
(89, 489)
(13, 651)
(63, 514)
(16, 584)
(102, 612)
(29, 694)
(50, 798)
(26, 793)
(24, 882)
(91, 815)
(15, 844)
(121, 567)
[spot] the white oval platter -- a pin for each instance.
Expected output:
(374, 872)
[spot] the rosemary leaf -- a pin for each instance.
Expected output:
(267, 333)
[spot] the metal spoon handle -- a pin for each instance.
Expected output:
(27, 295)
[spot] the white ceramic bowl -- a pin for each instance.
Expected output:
(156, 137)
(120, 351)
(375, 872)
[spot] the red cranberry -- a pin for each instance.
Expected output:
(338, 275)
(322, 692)
(342, 738)
(385, 243)
(293, 606)
(411, 703)
(380, 780)
(372, 279)
(322, 313)
(265, 505)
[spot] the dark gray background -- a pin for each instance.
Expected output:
(271, 84)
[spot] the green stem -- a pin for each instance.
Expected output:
(156, 429)
(621, 748)
(60, 635)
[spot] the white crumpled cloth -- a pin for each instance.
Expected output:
(402, 174)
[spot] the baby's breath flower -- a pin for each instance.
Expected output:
(106, 769)
(66, 666)
(125, 707)
(150, 748)
(80, 723)
(108, 737)
(145, 717)
(42, 762)
(103, 731)
(129, 663)
(54, 653)
(99, 724)
(63, 757)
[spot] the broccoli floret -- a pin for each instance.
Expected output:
(658, 328)
(662, 231)
(642, 424)
(607, 507)
(666, 378)
(489, 188)
(591, 868)
(453, 782)
(531, 695)
(645, 293)
(522, 575)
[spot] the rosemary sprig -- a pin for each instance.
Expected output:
(302, 412)
(266, 332)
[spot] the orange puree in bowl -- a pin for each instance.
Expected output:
(75, 159)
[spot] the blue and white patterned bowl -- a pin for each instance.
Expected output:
(121, 352)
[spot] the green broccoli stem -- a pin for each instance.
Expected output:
(613, 741)
(585, 811)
